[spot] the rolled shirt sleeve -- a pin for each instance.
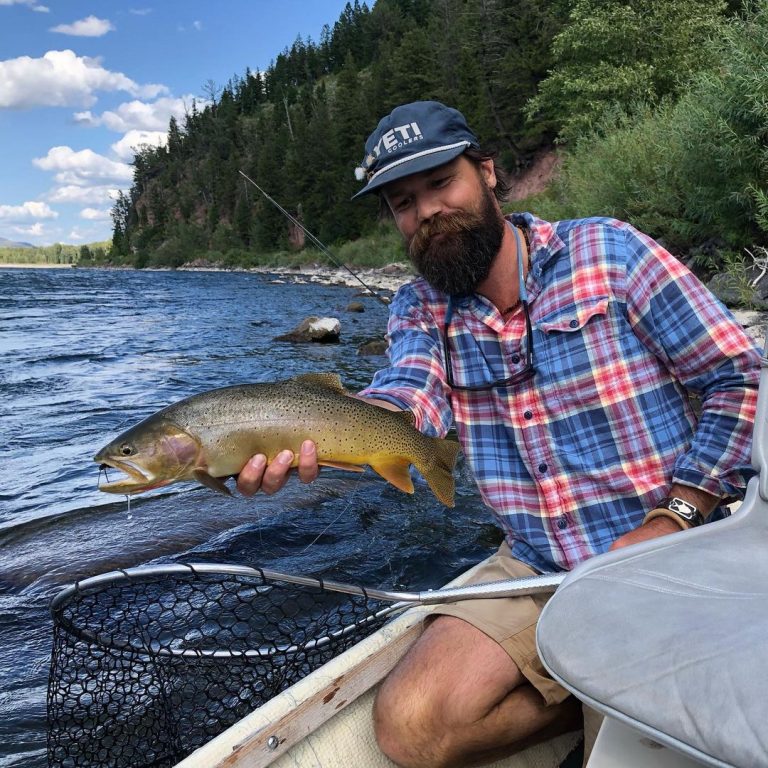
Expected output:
(708, 352)
(415, 378)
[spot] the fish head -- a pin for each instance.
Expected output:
(154, 453)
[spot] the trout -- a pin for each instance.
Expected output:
(210, 436)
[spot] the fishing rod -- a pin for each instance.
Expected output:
(315, 240)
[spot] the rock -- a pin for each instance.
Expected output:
(355, 306)
(323, 330)
(726, 288)
(374, 347)
(754, 323)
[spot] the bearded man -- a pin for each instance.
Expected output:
(565, 353)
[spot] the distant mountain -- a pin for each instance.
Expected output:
(13, 244)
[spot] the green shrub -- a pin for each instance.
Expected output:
(688, 172)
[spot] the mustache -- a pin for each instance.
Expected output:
(444, 224)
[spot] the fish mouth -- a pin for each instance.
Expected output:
(135, 482)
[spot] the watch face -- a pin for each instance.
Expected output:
(682, 508)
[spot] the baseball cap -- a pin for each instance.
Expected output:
(414, 137)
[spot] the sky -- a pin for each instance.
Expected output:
(81, 82)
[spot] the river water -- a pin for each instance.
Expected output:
(84, 354)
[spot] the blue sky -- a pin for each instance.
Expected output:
(83, 82)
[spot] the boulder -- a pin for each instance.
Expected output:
(323, 330)
(355, 306)
(374, 347)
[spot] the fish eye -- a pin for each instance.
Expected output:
(126, 450)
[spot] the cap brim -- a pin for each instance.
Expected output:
(411, 166)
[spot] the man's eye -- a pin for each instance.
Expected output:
(441, 181)
(402, 205)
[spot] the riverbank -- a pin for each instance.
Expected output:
(36, 266)
(387, 278)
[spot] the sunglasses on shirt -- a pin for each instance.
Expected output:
(520, 376)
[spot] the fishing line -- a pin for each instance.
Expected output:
(315, 240)
(336, 519)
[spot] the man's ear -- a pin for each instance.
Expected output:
(488, 173)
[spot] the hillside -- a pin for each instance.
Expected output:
(530, 77)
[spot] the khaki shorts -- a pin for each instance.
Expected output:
(510, 621)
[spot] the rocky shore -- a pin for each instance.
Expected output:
(389, 278)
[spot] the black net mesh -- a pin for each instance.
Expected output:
(148, 667)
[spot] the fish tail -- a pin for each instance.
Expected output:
(438, 470)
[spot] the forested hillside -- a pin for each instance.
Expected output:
(525, 73)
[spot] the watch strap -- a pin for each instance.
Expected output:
(685, 514)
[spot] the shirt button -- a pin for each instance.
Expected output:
(515, 359)
(542, 467)
(574, 323)
(562, 523)
(528, 415)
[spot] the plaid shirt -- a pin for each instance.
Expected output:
(574, 457)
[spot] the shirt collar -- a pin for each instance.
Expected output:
(545, 243)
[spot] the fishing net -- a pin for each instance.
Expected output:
(149, 664)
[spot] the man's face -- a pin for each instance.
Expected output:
(451, 223)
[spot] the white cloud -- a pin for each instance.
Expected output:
(95, 214)
(75, 234)
(26, 211)
(91, 26)
(71, 193)
(31, 3)
(125, 149)
(83, 168)
(61, 79)
(34, 230)
(198, 25)
(140, 11)
(140, 115)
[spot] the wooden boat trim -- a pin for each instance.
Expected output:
(261, 737)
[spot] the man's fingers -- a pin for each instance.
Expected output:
(308, 468)
(249, 479)
(276, 472)
(257, 475)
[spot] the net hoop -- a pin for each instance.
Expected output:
(152, 572)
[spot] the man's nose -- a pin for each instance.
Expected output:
(428, 206)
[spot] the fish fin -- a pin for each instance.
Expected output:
(215, 483)
(438, 472)
(325, 380)
(395, 470)
(340, 465)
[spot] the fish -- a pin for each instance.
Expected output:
(210, 436)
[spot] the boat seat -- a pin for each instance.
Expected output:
(670, 636)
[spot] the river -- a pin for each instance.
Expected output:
(86, 353)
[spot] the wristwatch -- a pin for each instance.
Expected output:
(685, 514)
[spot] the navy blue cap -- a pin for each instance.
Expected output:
(414, 137)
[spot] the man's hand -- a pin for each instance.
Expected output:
(258, 475)
(659, 526)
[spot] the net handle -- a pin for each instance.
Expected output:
(539, 584)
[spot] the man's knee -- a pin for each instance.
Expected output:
(407, 730)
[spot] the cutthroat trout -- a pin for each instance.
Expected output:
(212, 435)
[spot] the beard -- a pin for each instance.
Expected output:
(454, 252)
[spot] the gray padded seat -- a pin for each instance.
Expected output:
(671, 636)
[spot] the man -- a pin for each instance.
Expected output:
(565, 354)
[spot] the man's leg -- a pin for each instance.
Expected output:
(457, 698)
